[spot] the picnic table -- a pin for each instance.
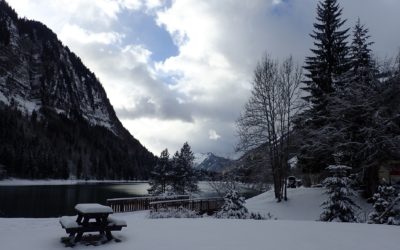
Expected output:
(92, 217)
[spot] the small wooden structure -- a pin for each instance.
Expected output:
(202, 205)
(91, 218)
(120, 205)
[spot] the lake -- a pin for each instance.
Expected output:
(41, 201)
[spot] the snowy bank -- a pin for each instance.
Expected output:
(207, 233)
(302, 204)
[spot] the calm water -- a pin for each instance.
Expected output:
(58, 200)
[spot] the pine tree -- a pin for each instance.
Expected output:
(190, 173)
(385, 201)
(330, 60)
(184, 175)
(339, 206)
(160, 176)
(362, 66)
(327, 68)
(352, 106)
(233, 207)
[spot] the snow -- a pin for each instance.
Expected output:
(293, 162)
(199, 158)
(4, 99)
(68, 222)
(93, 208)
(302, 204)
(117, 222)
(207, 233)
(295, 229)
(27, 106)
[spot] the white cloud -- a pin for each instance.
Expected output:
(74, 33)
(276, 1)
(219, 43)
(212, 135)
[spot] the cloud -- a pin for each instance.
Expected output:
(202, 88)
(212, 135)
(77, 34)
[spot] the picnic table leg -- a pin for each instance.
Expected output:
(109, 235)
(69, 241)
(79, 218)
(78, 237)
(79, 234)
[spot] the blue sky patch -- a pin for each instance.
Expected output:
(141, 28)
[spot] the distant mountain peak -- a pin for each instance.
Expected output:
(210, 162)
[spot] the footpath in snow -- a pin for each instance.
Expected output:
(291, 231)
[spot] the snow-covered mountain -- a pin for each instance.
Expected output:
(59, 109)
(211, 162)
(36, 70)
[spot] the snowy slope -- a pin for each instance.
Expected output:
(210, 162)
(208, 233)
(302, 204)
(199, 158)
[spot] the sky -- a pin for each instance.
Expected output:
(181, 70)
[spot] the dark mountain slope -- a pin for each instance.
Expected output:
(56, 118)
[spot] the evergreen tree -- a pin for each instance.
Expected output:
(385, 201)
(329, 60)
(327, 68)
(352, 106)
(339, 206)
(233, 207)
(362, 66)
(160, 176)
(184, 175)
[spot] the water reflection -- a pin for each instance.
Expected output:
(58, 200)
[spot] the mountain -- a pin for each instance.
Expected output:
(58, 110)
(255, 165)
(210, 162)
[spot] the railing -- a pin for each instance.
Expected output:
(120, 205)
(205, 205)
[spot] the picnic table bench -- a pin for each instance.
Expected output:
(92, 217)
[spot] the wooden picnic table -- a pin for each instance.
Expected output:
(92, 217)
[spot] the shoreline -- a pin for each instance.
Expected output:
(55, 182)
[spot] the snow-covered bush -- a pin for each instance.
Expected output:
(385, 201)
(180, 212)
(339, 206)
(233, 207)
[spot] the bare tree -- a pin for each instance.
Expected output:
(222, 186)
(267, 116)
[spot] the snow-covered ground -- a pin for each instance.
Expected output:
(208, 233)
(302, 204)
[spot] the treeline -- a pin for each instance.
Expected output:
(51, 145)
(349, 105)
(353, 102)
(174, 175)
